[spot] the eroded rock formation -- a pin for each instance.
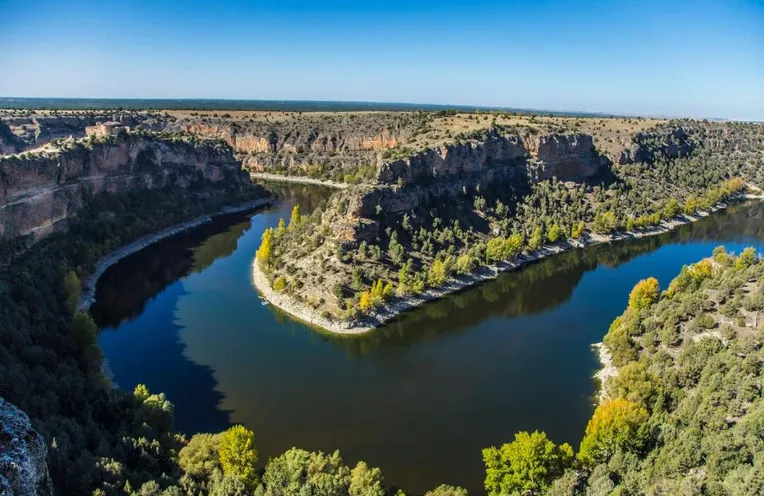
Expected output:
(42, 188)
(415, 183)
(23, 465)
(20, 133)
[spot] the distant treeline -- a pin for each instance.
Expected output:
(265, 105)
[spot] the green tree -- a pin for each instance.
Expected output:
(536, 239)
(446, 490)
(554, 234)
(527, 465)
(72, 289)
(437, 274)
(745, 259)
(200, 457)
(671, 209)
(298, 472)
(617, 424)
(238, 454)
(84, 330)
(578, 230)
(365, 481)
(605, 222)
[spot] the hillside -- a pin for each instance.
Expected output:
(42, 189)
(681, 411)
(350, 146)
(432, 221)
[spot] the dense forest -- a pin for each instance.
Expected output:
(684, 168)
(683, 411)
(50, 362)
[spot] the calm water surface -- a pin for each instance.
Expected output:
(419, 397)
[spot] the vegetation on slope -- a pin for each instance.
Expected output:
(425, 248)
(50, 362)
(684, 413)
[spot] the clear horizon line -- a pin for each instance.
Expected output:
(380, 102)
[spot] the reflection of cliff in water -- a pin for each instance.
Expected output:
(126, 287)
(548, 283)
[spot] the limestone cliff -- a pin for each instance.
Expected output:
(25, 132)
(328, 146)
(42, 188)
(23, 465)
(496, 158)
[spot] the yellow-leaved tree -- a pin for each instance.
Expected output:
(238, 455)
(294, 220)
(644, 294)
(266, 247)
(617, 424)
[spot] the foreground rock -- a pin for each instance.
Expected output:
(23, 466)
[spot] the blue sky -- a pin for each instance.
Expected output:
(695, 58)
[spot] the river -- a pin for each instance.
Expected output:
(419, 397)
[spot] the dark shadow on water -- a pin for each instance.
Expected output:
(152, 349)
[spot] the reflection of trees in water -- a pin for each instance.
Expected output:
(309, 196)
(546, 284)
(126, 287)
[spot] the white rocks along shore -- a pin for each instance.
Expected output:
(398, 305)
(88, 294)
(265, 176)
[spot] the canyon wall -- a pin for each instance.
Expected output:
(19, 133)
(40, 189)
(446, 173)
(297, 144)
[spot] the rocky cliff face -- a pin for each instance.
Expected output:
(20, 133)
(301, 143)
(40, 189)
(444, 174)
(23, 465)
(565, 156)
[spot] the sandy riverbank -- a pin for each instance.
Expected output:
(88, 294)
(264, 176)
(398, 305)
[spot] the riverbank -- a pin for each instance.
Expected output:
(88, 294)
(607, 370)
(399, 305)
(265, 176)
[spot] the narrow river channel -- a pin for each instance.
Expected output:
(419, 397)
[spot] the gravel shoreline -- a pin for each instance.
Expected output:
(265, 176)
(89, 287)
(307, 314)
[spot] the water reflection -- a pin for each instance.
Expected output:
(418, 397)
(548, 283)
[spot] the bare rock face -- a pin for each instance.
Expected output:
(40, 189)
(564, 156)
(23, 465)
(416, 183)
(18, 134)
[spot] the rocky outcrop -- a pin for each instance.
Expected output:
(40, 189)
(665, 141)
(444, 174)
(297, 144)
(20, 133)
(23, 465)
(564, 156)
